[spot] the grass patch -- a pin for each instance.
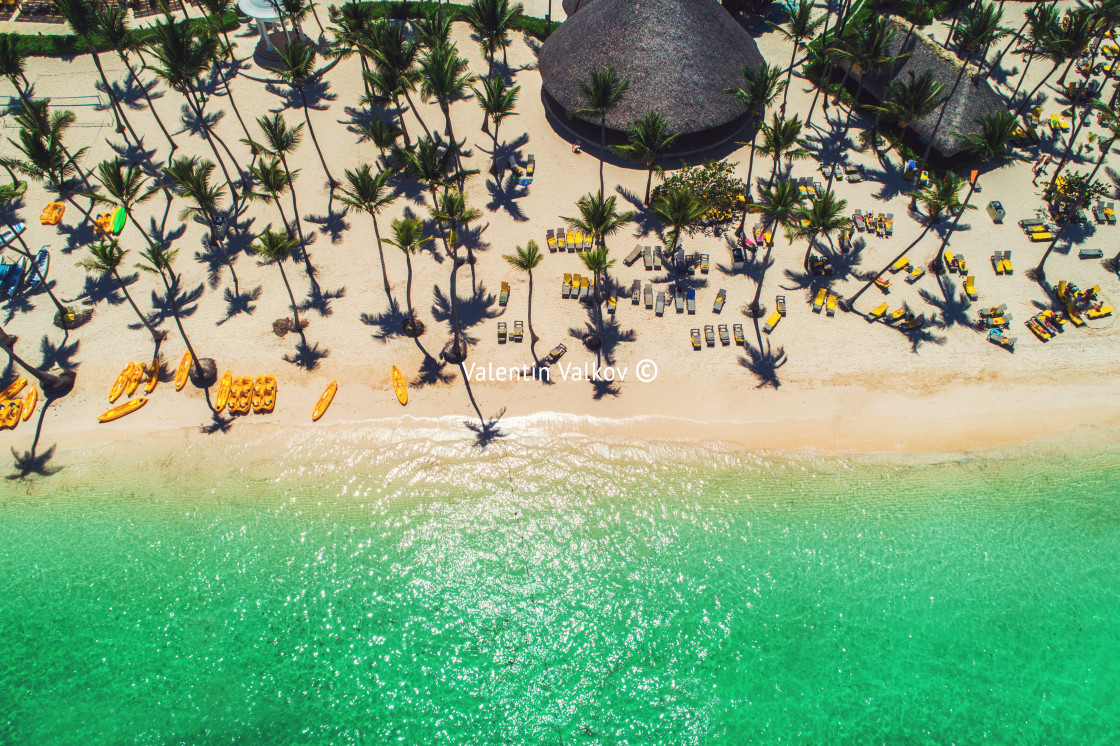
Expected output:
(71, 45)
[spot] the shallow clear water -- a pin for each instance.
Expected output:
(563, 591)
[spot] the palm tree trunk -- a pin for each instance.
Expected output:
(122, 120)
(1072, 136)
(283, 217)
(210, 136)
(789, 77)
(755, 309)
(183, 333)
(315, 140)
(456, 336)
(532, 334)
(747, 196)
(156, 338)
(1027, 100)
(1016, 38)
(47, 381)
(649, 182)
(408, 286)
(416, 114)
(43, 127)
(1014, 93)
(854, 298)
(151, 106)
(400, 118)
(381, 254)
(602, 152)
(299, 225)
(233, 104)
(291, 298)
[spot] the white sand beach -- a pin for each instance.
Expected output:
(820, 383)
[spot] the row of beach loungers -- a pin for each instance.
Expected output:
(655, 258)
(724, 335)
(1105, 213)
(1036, 230)
(683, 298)
(880, 225)
(901, 314)
(568, 240)
(518, 331)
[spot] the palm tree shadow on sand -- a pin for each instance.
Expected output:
(307, 356)
(31, 461)
(765, 361)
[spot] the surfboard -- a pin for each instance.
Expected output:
(324, 401)
(122, 381)
(135, 379)
(121, 410)
(183, 372)
(400, 386)
(15, 388)
(223, 391)
(30, 402)
(119, 217)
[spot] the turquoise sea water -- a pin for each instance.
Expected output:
(568, 591)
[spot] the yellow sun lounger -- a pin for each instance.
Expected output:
(772, 322)
(970, 287)
(1096, 313)
(1043, 236)
(877, 312)
(915, 275)
(950, 260)
(818, 302)
(896, 315)
(831, 309)
(883, 284)
(900, 265)
(1006, 264)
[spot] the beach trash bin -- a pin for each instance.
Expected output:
(995, 211)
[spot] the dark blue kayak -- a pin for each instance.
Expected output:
(14, 278)
(39, 272)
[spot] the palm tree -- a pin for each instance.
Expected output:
(799, 26)
(182, 58)
(491, 21)
(434, 27)
(601, 92)
(382, 134)
(1042, 22)
(215, 9)
(451, 211)
(823, 217)
(978, 29)
(907, 100)
(597, 261)
(82, 17)
(280, 141)
(105, 258)
(428, 162)
(777, 204)
(112, 26)
(1064, 44)
(297, 67)
(680, 209)
(270, 182)
(497, 101)
(158, 260)
(991, 141)
(53, 385)
(370, 193)
(275, 247)
(865, 47)
(598, 217)
(45, 158)
(124, 185)
(444, 76)
(351, 21)
(408, 236)
(781, 138)
(395, 57)
(649, 138)
(527, 259)
(763, 84)
(191, 175)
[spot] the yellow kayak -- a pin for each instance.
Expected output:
(153, 379)
(135, 379)
(121, 410)
(15, 388)
(269, 401)
(400, 386)
(121, 382)
(183, 372)
(29, 403)
(324, 401)
(223, 391)
(9, 415)
(258, 394)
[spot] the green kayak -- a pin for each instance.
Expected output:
(119, 216)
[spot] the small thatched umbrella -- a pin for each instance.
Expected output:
(679, 56)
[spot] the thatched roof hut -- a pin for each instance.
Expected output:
(973, 97)
(679, 56)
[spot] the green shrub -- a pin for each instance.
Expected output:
(713, 184)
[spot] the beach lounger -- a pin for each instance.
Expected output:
(877, 312)
(740, 339)
(690, 300)
(970, 287)
(818, 302)
(831, 307)
(531, 166)
(1038, 329)
(993, 311)
(648, 293)
(724, 335)
(888, 224)
(502, 332)
(633, 256)
(678, 299)
(566, 287)
(636, 292)
(710, 335)
(1098, 213)
(578, 240)
(647, 254)
(915, 275)
(901, 264)
(1110, 213)
(661, 303)
(1096, 313)
(883, 284)
(704, 262)
(912, 323)
(771, 322)
(657, 259)
(780, 304)
(962, 265)
(551, 240)
(998, 337)
(861, 226)
(518, 330)
(588, 242)
(1090, 254)
(695, 334)
(1007, 268)
(555, 354)
(896, 314)
(571, 238)
(1032, 225)
(997, 262)
(504, 297)
(950, 261)
(561, 243)
(584, 287)
(612, 304)
(721, 297)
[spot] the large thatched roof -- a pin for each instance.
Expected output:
(973, 98)
(679, 56)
